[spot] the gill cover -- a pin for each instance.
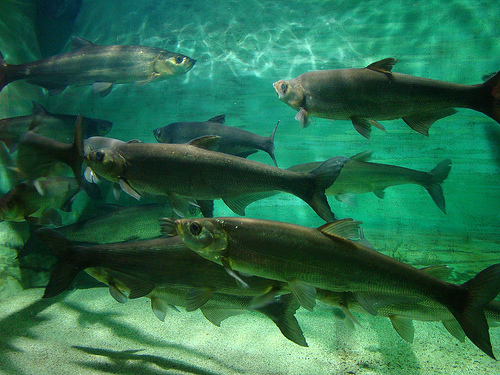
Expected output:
(204, 236)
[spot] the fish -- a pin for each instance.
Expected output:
(219, 307)
(97, 65)
(185, 172)
(114, 224)
(324, 258)
(402, 312)
(360, 176)
(366, 95)
(37, 155)
(37, 201)
(154, 263)
(233, 141)
(56, 126)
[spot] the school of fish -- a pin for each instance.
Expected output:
(177, 254)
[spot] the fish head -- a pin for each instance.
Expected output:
(162, 135)
(172, 64)
(205, 236)
(106, 162)
(290, 92)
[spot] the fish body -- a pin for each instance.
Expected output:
(308, 258)
(359, 176)
(366, 95)
(219, 307)
(184, 172)
(101, 66)
(56, 126)
(233, 141)
(36, 201)
(114, 224)
(154, 263)
(402, 312)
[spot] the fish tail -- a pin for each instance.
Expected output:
(469, 312)
(438, 175)
(282, 313)
(491, 105)
(69, 261)
(324, 176)
(270, 144)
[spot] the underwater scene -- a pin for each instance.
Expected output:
(258, 187)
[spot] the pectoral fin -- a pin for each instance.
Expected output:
(303, 117)
(303, 293)
(129, 189)
(90, 175)
(226, 263)
(102, 88)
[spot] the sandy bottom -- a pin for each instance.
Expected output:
(86, 331)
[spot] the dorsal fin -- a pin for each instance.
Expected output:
(362, 156)
(383, 66)
(221, 119)
(345, 228)
(440, 271)
(209, 142)
(77, 43)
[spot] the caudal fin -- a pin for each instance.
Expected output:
(470, 313)
(492, 103)
(324, 175)
(69, 261)
(439, 174)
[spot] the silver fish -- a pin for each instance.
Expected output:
(308, 258)
(97, 65)
(185, 172)
(360, 176)
(233, 141)
(374, 93)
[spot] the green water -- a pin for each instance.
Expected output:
(241, 48)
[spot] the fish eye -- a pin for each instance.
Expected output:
(195, 228)
(99, 156)
(179, 59)
(193, 209)
(283, 87)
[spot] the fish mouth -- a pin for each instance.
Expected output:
(191, 64)
(275, 86)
